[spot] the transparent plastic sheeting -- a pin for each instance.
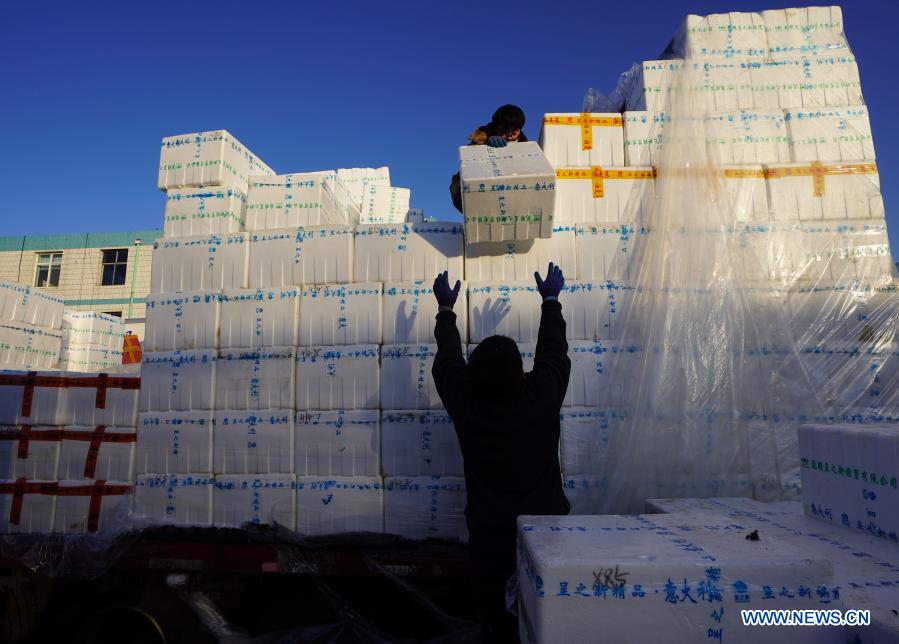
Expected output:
(764, 300)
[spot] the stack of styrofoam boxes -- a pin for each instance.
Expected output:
(30, 323)
(66, 451)
(91, 341)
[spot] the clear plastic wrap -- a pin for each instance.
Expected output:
(765, 292)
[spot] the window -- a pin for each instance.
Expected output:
(49, 266)
(115, 314)
(115, 265)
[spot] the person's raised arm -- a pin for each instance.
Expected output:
(450, 370)
(552, 366)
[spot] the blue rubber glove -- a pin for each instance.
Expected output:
(445, 295)
(496, 142)
(553, 284)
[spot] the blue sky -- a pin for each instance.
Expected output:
(91, 88)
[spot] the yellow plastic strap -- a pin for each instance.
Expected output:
(598, 175)
(818, 171)
(744, 173)
(587, 122)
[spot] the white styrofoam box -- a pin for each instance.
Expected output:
(204, 263)
(292, 201)
(425, 507)
(337, 443)
(29, 305)
(340, 314)
(839, 253)
(27, 506)
(651, 86)
(643, 136)
(604, 195)
(253, 442)
(407, 252)
(104, 453)
(419, 443)
(805, 30)
(517, 260)
(570, 139)
(340, 504)
(44, 403)
(92, 506)
(384, 205)
(29, 452)
(747, 137)
(338, 377)
(584, 443)
(255, 379)
(707, 570)
(507, 193)
(86, 359)
(27, 347)
(611, 252)
(174, 443)
(406, 380)
(101, 399)
(177, 381)
(721, 35)
(296, 256)
(258, 318)
(357, 180)
(849, 475)
(173, 499)
(212, 158)
(828, 79)
(255, 499)
(204, 211)
(92, 328)
(803, 191)
(410, 309)
(182, 321)
(746, 191)
(830, 134)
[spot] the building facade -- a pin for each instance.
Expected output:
(103, 272)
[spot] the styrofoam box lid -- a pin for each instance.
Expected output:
(482, 162)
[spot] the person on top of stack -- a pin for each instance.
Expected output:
(507, 423)
(505, 127)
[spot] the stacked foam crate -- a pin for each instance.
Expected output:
(30, 327)
(66, 451)
(91, 341)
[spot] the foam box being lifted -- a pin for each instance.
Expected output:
(21, 303)
(178, 381)
(805, 30)
(337, 377)
(406, 380)
(407, 252)
(174, 443)
(293, 201)
(611, 252)
(253, 442)
(419, 443)
(584, 444)
(518, 260)
(814, 191)
(425, 507)
(205, 263)
(384, 205)
(212, 158)
(339, 504)
(27, 505)
(204, 211)
(92, 506)
(337, 443)
(253, 319)
(174, 499)
(254, 379)
(29, 452)
(583, 139)
(830, 134)
(297, 256)
(604, 195)
(806, 80)
(357, 180)
(507, 193)
(94, 329)
(747, 137)
(105, 453)
(643, 133)
(182, 321)
(340, 314)
(409, 311)
(253, 499)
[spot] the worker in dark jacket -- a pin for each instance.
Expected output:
(507, 422)
(503, 128)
